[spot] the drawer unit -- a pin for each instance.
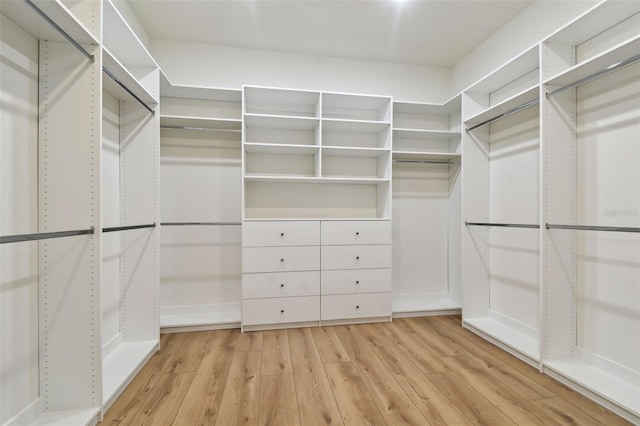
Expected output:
(278, 234)
(356, 281)
(280, 284)
(280, 259)
(353, 306)
(356, 257)
(354, 232)
(280, 310)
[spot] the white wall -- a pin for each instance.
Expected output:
(530, 26)
(231, 67)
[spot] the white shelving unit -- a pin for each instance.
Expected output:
(201, 185)
(426, 208)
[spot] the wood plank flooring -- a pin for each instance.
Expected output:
(413, 371)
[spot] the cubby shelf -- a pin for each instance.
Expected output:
(280, 122)
(286, 149)
(315, 180)
(354, 126)
(426, 155)
(424, 134)
(200, 122)
(348, 151)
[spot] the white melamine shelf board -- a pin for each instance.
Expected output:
(599, 382)
(521, 98)
(315, 180)
(353, 101)
(169, 90)
(448, 108)
(286, 149)
(116, 68)
(354, 126)
(594, 21)
(307, 219)
(34, 24)
(600, 62)
(339, 151)
(119, 367)
(425, 155)
(509, 336)
(199, 122)
(424, 134)
(280, 122)
(122, 41)
(80, 416)
(308, 100)
(512, 70)
(201, 318)
(407, 303)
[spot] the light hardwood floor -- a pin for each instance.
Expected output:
(413, 371)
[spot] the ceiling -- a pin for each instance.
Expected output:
(425, 32)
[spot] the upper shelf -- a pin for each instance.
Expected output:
(424, 134)
(25, 16)
(452, 106)
(200, 123)
(356, 107)
(271, 101)
(125, 77)
(122, 41)
(170, 90)
(506, 74)
(506, 107)
(334, 125)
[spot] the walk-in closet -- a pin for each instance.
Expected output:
(327, 212)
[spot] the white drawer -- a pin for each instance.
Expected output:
(366, 305)
(356, 257)
(280, 259)
(356, 281)
(277, 234)
(280, 284)
(355, 232)
(280, 310)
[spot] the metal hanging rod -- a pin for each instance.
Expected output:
(505, 114)
(425, 161)
(502, 225)
(594, 228)
(200, 223)
(44, 235)
(596, 75)
(126, 228)
(62, 32)
(121, 84)
(201, 129)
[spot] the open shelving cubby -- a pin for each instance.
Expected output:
(426, 208)
(500, 237)
(590, 282)
(200, 145)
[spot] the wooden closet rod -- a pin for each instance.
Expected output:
(596, 75)
(62, 32)
(44, 235)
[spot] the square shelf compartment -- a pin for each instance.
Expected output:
(356, 134)
(281, 162)
(356, 107)
(268, 101)
(280, 130)
(445, 142)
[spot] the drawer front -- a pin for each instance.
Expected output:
(278, 234)
(356, 257)
(280, 259)
(355, 232)
(344, 306)
(280, 284)
(356, 281)
(280, 310)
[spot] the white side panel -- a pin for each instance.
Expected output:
(608, 264)
(69, 184)
(455, 234)
(18, 215)
(110, 192)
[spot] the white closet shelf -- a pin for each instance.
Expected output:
(353, 101)
(314, 180)
(313, 219)
(344, 151)
(280, 122)
(598, 381)
(121, 366)
(425, 155)
(280, 148)
(200, 315)
(80, 416)
(359, 126)
(119, 71)
(521, 98)
(420, 108)
(424, 134)
(27, 18)
(418, 303)
(122, 41)
(201, 122)
(260, 99)
(518, 66)
(605, 60)
(169, 90)
(507, 336)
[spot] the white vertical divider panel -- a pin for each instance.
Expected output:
(140, 198)
(455, 232)
(69, 186)
(475, 206)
